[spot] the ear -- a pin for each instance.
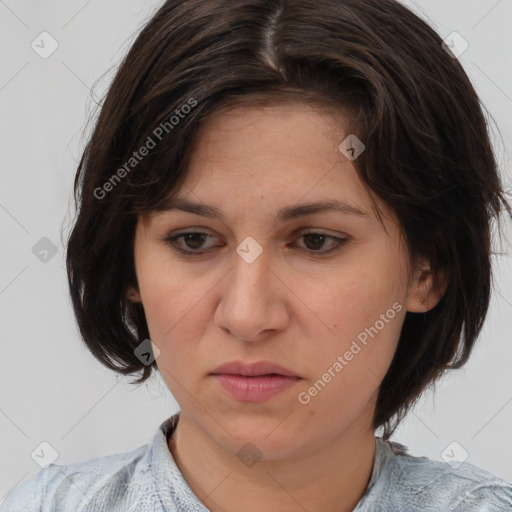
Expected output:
(423, 295)
(133, 294)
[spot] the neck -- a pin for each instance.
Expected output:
(332, 476)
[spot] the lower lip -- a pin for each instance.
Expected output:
(254, 389)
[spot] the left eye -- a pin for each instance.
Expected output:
(194, 241)
(316, 239)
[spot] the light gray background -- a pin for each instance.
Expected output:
(52, 389)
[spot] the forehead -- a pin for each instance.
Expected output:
(285, 130)
(280, 147)
(279, 160)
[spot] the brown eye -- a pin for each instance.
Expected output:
(314, 242)
(191, 242)
(194, 240)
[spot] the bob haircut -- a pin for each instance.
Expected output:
(428, 156)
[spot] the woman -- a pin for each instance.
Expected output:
(285, 208)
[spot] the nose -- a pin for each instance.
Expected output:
(253, 303)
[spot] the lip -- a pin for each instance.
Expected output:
(255, 382)
(254, 389)
(256, 369)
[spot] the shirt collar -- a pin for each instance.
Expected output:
(172, 488)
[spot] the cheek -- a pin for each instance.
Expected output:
(178, 310)
(361, 308)
(347, 367)
(169, 308)
(165, 295)
(353, 297)
(172, 313)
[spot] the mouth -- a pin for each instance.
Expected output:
(256, 382)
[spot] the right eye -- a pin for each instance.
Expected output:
(194, 241)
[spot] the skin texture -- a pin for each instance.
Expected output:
(291, 306)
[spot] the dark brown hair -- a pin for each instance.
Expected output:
(428, 155)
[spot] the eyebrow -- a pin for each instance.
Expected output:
(286, 213)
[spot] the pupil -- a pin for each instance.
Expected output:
(193, 236)
(317, 238)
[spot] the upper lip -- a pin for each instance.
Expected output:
(253, 369)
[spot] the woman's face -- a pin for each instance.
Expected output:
(322, 293)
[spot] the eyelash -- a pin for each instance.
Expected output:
(172, 239)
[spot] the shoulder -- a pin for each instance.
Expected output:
(76, 486)
(411, 483)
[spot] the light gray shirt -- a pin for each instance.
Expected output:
(147, 479)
